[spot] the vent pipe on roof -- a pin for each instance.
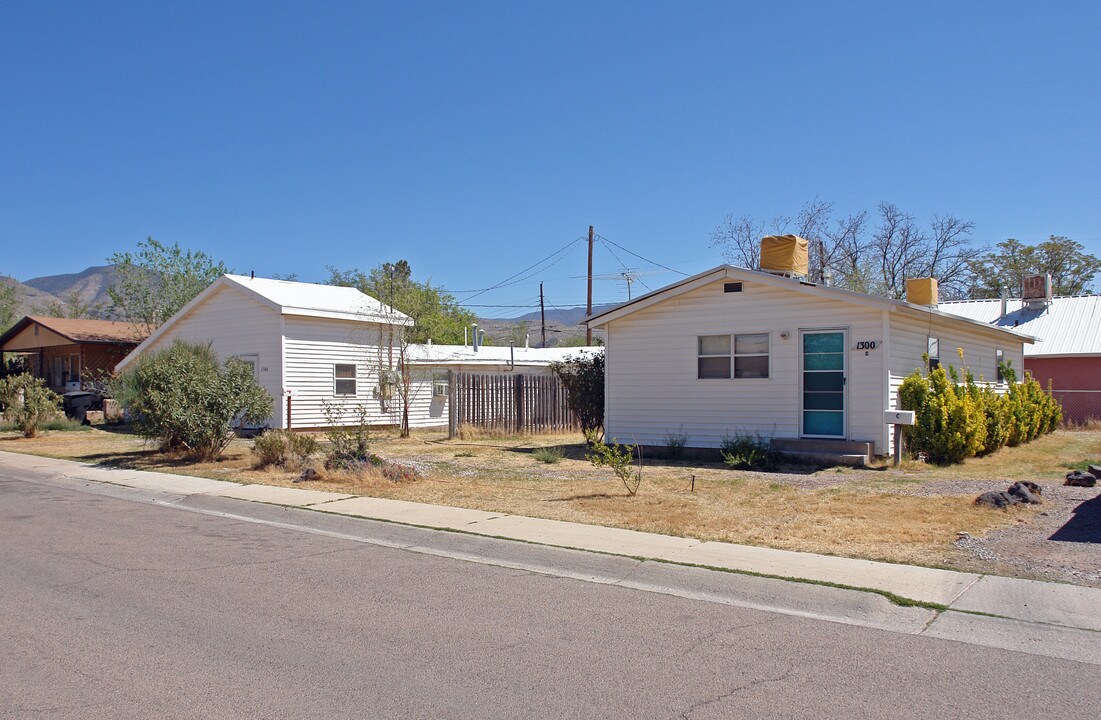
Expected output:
(474, 334)
(1005, 302)
(527, 341)
(466, 340)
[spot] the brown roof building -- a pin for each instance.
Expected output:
(64, 352)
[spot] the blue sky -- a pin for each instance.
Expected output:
(475, 138)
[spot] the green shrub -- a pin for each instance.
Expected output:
(284, 448)
(954, 421)
(549, 455)
(744, 452)
(674, 445)
(349, 445)
(583, 378)
(28, 404)
(619, 458)
(188, 401)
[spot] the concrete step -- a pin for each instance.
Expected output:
(827, 458)
(840, 452)
(820, 445)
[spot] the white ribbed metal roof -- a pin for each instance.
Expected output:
(1069, 326)
(311, 299)
(493, 354)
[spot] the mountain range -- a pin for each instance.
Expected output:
(88, 287)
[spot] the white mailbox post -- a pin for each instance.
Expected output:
(898, 418)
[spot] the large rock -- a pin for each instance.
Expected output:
(1094, 470)
(1026, 492)
(1080, 479)
(996, 500)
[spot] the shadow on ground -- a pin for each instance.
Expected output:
(1085, 526)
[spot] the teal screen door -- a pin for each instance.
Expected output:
(824, 384)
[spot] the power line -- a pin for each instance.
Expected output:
(506, 282)
(652, 262)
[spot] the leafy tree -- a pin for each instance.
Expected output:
(1072, 270)
(583, 378)
(28, 402)
(156, 281)
(435, 312)
(182, 397)
(9, 304)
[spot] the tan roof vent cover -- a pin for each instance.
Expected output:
(921, 291)
(784, 255)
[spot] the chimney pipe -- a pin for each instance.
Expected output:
(466, 340)
(474, 335)
(1005, 301)
(527, 341)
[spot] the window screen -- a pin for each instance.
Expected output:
(345, 379)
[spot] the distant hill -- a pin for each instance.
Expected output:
(90, 286)
(563, 327)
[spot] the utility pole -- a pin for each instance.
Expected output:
(589, 300)
(542, 317)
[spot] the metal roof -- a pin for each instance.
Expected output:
(492, 354)
(1068, 326)
(333, 301)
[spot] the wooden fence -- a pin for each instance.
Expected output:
(509, 402)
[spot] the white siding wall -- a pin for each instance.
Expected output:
(652, 387)
(313, 346)
(235, 324)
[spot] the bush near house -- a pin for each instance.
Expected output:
(583, 378)
(955, 420)
(284, 448)
(188, 401)
(28, 403)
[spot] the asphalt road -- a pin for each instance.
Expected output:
(115, 608)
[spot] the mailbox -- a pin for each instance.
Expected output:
(898, 417)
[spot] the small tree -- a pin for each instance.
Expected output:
(184, 398)
(583, 378)
(28, 402)
(157, 280)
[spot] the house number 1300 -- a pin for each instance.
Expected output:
(867, 345)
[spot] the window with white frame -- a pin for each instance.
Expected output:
(344, 379)
(713, 357)
(934, 353)
(751, 356)
(738, 356)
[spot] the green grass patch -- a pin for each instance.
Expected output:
(1081, 466)
(549, 455)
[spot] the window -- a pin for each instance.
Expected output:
(999, 363)
(440, 383)
(746, 355)
(751, 356)
(934, 353)
(714, 356)
(345, 379)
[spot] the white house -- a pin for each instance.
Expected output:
(310, 345)
(735, 351)
(317, 349)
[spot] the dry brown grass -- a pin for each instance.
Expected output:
(858, 513)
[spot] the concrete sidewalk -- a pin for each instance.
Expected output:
(1037, 603)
